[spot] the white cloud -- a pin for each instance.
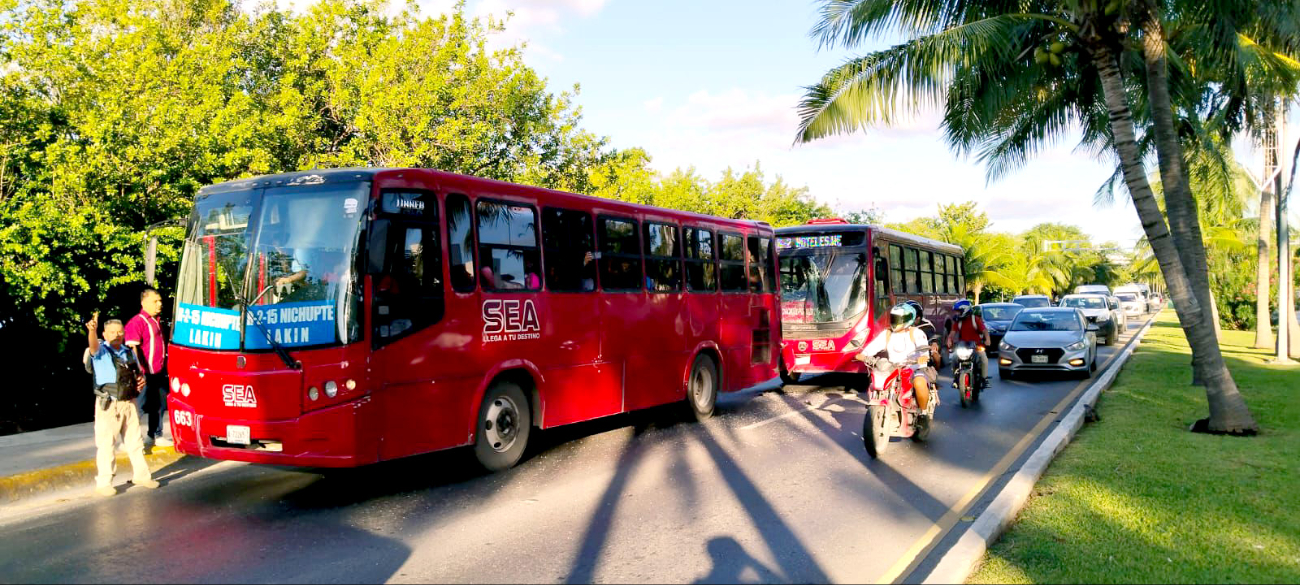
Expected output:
(905, 170)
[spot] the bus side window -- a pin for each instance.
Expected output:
(460, 243)
(896, 269)
(620, 255)
(507, 247)
(701, 270)
(568, 250)
(663, 258)
(759, 254)
(732, 270)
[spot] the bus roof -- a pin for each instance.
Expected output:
(321, 176)
(889, 234)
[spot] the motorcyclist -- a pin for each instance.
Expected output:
(900, 342)
(928, 329)
(969, 327)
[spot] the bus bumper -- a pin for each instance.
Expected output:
(337, 436)
(821, 362)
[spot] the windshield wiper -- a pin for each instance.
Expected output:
(270, 339)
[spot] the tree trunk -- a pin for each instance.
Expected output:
(1228, 411)
(1264, 244)
(1184, 219)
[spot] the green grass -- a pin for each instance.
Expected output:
(1136, 498)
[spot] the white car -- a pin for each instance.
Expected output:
(1054, 339)
(1132, 304)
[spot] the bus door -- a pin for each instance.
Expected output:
(884, 298)
(404, 265)
(762, 284)
(624, 312)
(578, 385)
(657, 363)
(736, 323)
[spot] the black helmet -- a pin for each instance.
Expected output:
(901, 316)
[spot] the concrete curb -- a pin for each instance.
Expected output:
(73, 475)
(959, 561)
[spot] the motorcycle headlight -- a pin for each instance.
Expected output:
(1076, 346)
(964, 353)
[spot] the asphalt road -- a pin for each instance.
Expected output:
(776, 488)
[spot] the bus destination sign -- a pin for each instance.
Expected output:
(806, 242)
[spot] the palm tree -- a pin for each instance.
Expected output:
(1012, 77)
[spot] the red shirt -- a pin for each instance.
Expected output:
(146, 332)
(971, 329)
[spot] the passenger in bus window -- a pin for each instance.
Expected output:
(588, 283)
(531, 279)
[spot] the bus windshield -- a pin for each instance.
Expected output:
(823, 287)
(281, 257)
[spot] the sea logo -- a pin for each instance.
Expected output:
(238, 395)
(510, 320)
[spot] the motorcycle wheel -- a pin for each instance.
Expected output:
(964, 389)
(875, 430)
(921, 431)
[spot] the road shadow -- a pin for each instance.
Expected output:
(182, 467)
(733, 564)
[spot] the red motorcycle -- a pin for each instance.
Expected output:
(891, 404)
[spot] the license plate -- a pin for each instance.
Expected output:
(1038, 359)
(802, 360)
(237, 435)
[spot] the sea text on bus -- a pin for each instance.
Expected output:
(510, 320)
(238, 395)
(804, 242)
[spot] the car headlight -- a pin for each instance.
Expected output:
(1006, 347)
(1076, 346)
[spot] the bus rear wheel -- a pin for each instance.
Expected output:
(702, 387)
(504, 423)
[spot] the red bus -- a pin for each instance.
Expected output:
(339, 318)
(838, 282)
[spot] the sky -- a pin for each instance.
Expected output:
(714, 84)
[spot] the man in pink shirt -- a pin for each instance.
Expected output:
(144, 335)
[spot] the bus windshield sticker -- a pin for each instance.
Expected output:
(806, 242)
(206, 327)
(292, 324)
(510, 320)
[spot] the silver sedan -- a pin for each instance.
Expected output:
(1048, 339)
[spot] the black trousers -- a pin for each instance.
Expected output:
(155, 402)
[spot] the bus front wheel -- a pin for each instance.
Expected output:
(702, 387)
(504, 423)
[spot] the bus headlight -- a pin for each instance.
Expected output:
(185, 389)
(331, 389)
(350, 384)
(313, 393)
(176, 384)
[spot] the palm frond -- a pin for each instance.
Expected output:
(876, 87)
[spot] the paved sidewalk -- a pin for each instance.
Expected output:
(60, 458)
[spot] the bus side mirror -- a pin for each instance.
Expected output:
(377, 246)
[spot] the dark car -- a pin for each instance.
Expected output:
(1033, 301)
(998, 316)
